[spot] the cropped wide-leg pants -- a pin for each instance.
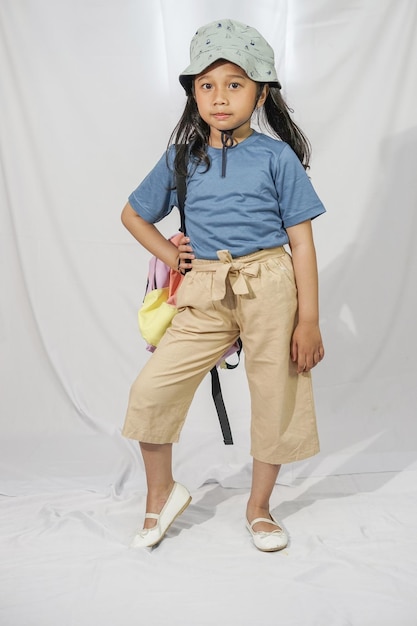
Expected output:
(254, 297)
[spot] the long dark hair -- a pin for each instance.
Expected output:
(192, 133)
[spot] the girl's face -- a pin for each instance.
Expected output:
(226, 98)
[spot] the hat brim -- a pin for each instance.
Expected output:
(246, 61)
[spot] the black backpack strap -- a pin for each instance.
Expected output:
(181, 191)
(181, 185)
(216, 390)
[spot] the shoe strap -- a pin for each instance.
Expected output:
(264, 519)
(151, 516)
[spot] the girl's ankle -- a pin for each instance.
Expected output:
(253, 511)
(157, 497)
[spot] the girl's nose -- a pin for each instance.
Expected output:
(220, 97)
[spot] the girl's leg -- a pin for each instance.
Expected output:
(158, 467)
(264, 476)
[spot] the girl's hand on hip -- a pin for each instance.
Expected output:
(306, 346)
(185, 255)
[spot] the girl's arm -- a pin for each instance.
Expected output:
(306, 344)
(150, 237)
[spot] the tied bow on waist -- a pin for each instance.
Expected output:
(237, 272)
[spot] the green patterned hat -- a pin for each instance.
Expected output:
(234, 42)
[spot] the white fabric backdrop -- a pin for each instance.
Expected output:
(89, 96)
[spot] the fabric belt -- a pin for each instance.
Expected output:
(236, 269)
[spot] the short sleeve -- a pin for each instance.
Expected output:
(155, 197)
(297, 198)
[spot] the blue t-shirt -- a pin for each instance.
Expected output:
(265, 190)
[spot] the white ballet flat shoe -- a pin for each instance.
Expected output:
(268, 541)
(177, 502)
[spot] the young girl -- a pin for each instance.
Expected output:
(247, 195)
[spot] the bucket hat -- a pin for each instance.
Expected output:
(235, 42)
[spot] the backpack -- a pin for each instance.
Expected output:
(158, 309)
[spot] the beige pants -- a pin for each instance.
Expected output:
(252, 296)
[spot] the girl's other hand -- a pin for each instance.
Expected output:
(185, 255)
(306, 346)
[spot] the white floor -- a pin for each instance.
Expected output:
(352, 559)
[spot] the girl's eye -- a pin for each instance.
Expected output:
(206, 86)
(234, 85)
